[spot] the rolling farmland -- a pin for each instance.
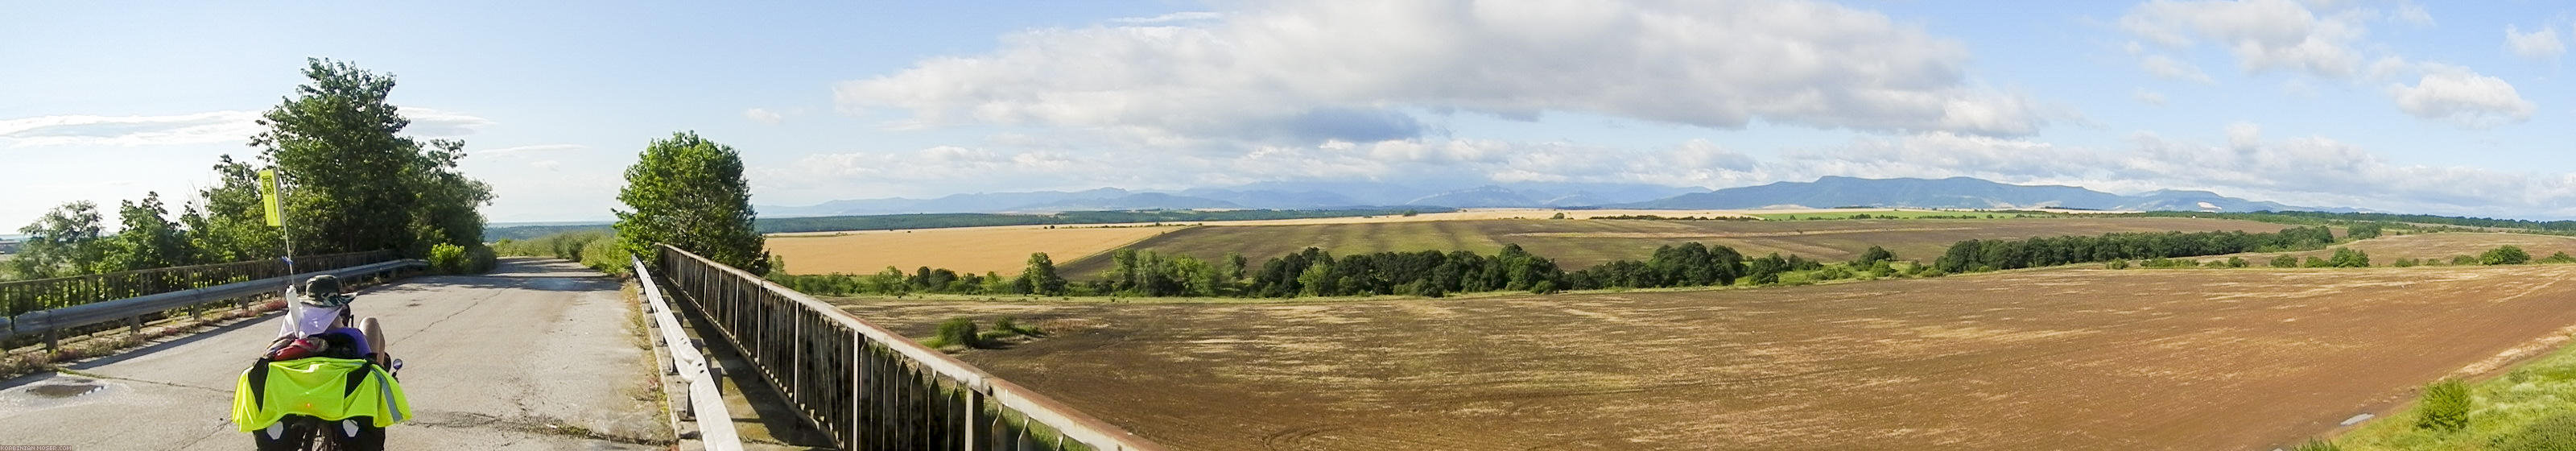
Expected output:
(971, 250)
(1583, 243)
(2052, 359)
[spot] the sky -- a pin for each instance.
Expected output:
(2448, 108)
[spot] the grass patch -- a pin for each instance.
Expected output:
(2529, 408)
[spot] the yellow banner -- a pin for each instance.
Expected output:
(268, 197)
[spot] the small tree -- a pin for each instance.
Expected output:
(1040, 277)
(2504, 255)
(65, 242)
(2285, 261)
(689, 192)
(960, 331)
(1875, 254)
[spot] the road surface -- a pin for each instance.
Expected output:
(537, 355)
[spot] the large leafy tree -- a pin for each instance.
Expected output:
(148, 240)
(355, 183)
(228, 225)
(65, 242)
(689, 192)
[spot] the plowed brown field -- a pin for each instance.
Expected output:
(2060, 359)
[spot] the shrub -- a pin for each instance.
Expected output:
(2445, 406)
(2560, 257)
(2463, 260)
(958, 331)
(2285, 261)
(2116, 264)
(447, 258)
(2404, 263)
(2314, 262)
(2555, 433)
(2504, 255)
(1835, 272)
(1549, 287)
(2237, 262)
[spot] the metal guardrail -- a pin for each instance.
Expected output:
(42, 294)
(705, 401)
(869, 388)
(52, 322)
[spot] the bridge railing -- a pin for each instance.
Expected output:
(869, 388)
(46, 294)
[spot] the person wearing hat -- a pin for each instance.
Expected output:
(321, 307)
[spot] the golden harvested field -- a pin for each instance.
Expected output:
(2441, 246)
(2239, 359)
(972, 250)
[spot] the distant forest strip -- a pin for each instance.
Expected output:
(1991, 255)
(948, 220)
(1314, 273)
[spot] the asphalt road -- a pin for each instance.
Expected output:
(537, 355)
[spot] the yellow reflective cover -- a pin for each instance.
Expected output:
(318, 387)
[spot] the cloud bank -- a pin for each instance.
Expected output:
(1304, 73)
(232, 126)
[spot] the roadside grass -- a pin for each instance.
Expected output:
(2531, 407)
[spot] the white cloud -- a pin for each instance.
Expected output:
(233, 126)
(2168, 68)
(2463, 97)
(84, 130)
(1185, 16)
(1302, 73)
(2149, 97)
(430, 123)
(2413, 14)
(2539, 44)
(2263, 35)
(764, 116)
(520, 150)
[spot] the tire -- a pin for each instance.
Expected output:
(304, 433)
(368, 437)
(296, 433)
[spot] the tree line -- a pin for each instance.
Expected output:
(1990, 255)
(353, 182)
(1314, 272)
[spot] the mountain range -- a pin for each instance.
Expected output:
(1955, 192)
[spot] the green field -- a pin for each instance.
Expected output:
(1577, 244)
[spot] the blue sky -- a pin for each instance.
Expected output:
(2435, 108)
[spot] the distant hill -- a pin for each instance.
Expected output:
(1264, 195)
(1954, 192)
(1480, 197)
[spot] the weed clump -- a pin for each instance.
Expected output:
(2445, 406)
(2318, 445)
